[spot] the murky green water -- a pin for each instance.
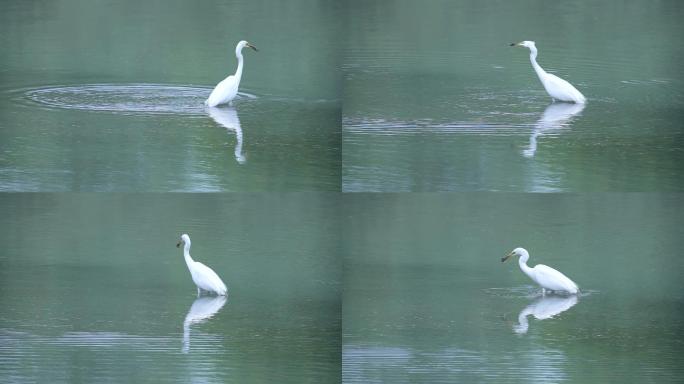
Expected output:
(427, 299)
(104, 100)
(71, 121)
(93, 289)
(436, 100)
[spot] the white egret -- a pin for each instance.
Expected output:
(204, 277)
(545, 276)
(544, 308)
(228, 118)
(556, 87)
(227, 89)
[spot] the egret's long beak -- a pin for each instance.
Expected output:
(179, 243)
(253, 47)
(506, 257)
(515, 45)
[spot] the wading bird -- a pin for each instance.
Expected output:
(227, 89)
(204, 277)
(556, 87)
(545, 276)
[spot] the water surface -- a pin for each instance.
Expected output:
(436, 100)
(93, 289)
(427, 299)
(108, 96)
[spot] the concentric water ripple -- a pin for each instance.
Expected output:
(381, 126)
(526, 292)
(126, 98)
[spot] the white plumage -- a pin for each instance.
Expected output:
(556, 87)
(545, 276)
(204, 277)
(227, 89)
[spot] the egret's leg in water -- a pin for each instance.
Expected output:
(543, 291)
(198, 291)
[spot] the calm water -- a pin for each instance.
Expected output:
(93, 289)
(427, 299)
(107, 96)
(436, 100)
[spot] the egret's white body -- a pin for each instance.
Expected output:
(544, 308)
(204, 277)
(545, 276)
(556, 87)
(228, 118)
(227, 89)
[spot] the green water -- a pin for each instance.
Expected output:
(436, 100)
(101, 114)
(291, 137)
(427, 299)
(93, 288)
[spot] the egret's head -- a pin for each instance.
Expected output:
(516, 252)
(526, 44)
(243, 44)
(184, 239)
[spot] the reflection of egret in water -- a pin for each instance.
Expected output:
(201, 310)
(544, 308)
(228, 118)
(556, 116)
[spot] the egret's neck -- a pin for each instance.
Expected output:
(238, 73)
(522, 262)
(186, 254)
(533, 60)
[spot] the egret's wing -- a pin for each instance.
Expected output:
(224, 90)
(557, 81)
(208, 278)
(555, 280)
(561, 89)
